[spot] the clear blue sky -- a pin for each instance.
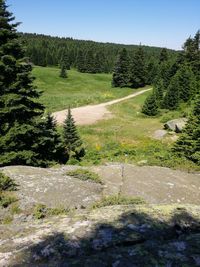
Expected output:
(165, 23)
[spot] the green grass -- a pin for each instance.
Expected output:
(118, 200)
(78, 89)
(85, 175)
(127, 137)
(41, 211)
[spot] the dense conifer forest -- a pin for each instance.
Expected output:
(86, 56)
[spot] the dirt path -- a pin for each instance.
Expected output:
(92, 113)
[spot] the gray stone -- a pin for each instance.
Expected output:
(176, 125)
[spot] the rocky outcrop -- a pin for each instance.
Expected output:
(176, 125)
(111, 236)
(54, 188)
(123, 235)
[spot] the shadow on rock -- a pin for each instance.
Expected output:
(135, 238)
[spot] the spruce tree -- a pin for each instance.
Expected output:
(188, 144)
(187, 83)
(80, 61)
(151, 71)
(165, 73)
(65, 61)
(150, 106)
(90, 62)
(98, 64)
(71, 139)
(63, 72)
(121, 70)
(163, 56)
(171, 99)
(20, 111)
(138, 69)
(52, 150)
(159, 92)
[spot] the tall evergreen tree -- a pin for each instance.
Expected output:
(151, 71)
(63, 72)
(150, 106)
(80, 61)
(188, 144)
(65, 61)
(192, 53)
(121, 70)
(20, 111)
(90, 62)
(171, 99)
(163, 56)
(98, 64)
(159, 92)
(187, 83)
(165, 73)
(138, 69)
(52, 149)
(71, 139)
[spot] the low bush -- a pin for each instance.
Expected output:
(6, 183)
(85, 175)
(118, 200)
(41, 211)
(6, 199)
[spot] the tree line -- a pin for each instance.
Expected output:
(178, 82)
(86, 56)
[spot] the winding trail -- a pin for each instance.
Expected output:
(92, 113)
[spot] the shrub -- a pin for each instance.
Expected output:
(118, 200)
(6, 200)
(40, 211)
(6, 183)
(15, 209)
(85, 175)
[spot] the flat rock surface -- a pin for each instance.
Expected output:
(161, 185)
(54, 188)
(117, 236)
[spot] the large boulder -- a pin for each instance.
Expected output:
(176, 125)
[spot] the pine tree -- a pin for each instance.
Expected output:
(80, 61)
(188, 144)
(63, 72)
(65, 61)
(121, 70)
(151, 71)
(90, 62)
(165, 73)
(187, 83)
(150, 106)
(52, 150)
(98, 64)
(138, 69)
(192, 53)
(171, 99)
(159, 92)
(163, 56)
(20, 111)
(71, 139)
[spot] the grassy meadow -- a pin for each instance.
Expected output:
(127, 136)
(78, 89)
